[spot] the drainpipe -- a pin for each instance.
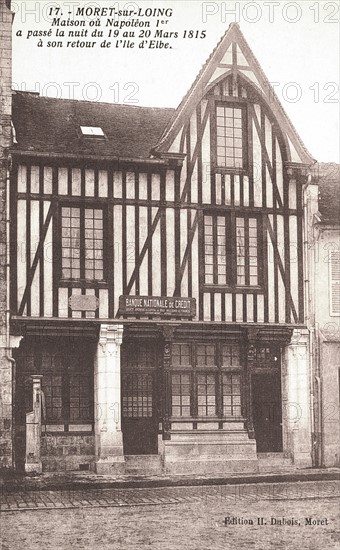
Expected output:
(319, 446)
(8, 311)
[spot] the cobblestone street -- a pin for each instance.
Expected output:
(172, 518)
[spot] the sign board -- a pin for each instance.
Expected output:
(80, 302)
(157, 305)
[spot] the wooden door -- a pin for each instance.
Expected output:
(139, 399)
(267, 411)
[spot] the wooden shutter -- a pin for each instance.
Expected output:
(334, 267)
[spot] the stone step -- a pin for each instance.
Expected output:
(274, 462)
(143, 464)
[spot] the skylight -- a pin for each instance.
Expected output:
(95, 131)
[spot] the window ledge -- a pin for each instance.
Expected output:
(81, 283)
(232, 289)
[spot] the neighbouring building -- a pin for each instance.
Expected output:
(323, 274)
(157, 287)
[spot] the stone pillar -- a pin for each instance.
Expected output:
(248, 398)
(33, 430)
(296, 402)
(168, 335)
(7, 397)
(107, 396)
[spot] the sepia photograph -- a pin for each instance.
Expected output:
(169, 275)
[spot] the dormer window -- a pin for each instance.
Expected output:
(92, 131)
(230, 136)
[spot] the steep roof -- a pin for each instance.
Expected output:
(44, 124)
(53, 125)
(329, 192)
(232, 55)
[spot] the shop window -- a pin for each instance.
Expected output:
(67, 383)
(181, 355)
(231, 355)
(180, 395)
(205, 355)
(205, 380)
(52, 388)
(206, 394)
(82, 243)
(231, 384)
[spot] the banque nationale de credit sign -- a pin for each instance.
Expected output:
(157, 305)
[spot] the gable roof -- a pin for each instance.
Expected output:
(44, 124)
(329, 192)
(232, 55)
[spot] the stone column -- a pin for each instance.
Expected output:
(33, 430)
(168, 335)
(248, 398)
(296, 402)
(107, 400)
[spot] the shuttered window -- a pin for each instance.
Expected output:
(334, 269)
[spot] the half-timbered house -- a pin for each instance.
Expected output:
(157, 279)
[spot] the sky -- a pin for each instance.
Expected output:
(296, 43)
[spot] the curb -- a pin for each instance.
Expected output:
(78, 485)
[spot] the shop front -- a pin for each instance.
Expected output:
(201, 398)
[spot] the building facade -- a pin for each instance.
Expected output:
(323, 272)
(157, 301)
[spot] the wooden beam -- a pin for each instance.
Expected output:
(38, 257)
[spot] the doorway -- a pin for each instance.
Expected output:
(139, 399)
(267, 411)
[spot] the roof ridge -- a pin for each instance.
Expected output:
(36, 95)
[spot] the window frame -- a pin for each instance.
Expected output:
(244, 126)
(334, 282)
(217, 370)
(82, 280)
(231, 251)
(61, 365)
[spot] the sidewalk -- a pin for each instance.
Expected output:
(64, 481)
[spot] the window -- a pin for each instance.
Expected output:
(246, 251)
(82, 242)
(205, 380)
(137, 395)
(67, 382)
(92, 131)
(231, 356)
(231, 251)
(206, 395)
(180, 394)
(229, 139)
(205, 355)
(216, 249)
(231, 385)
(267, 356)
(334, 269)
(181, 355)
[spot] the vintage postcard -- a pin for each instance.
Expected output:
(170, 274)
